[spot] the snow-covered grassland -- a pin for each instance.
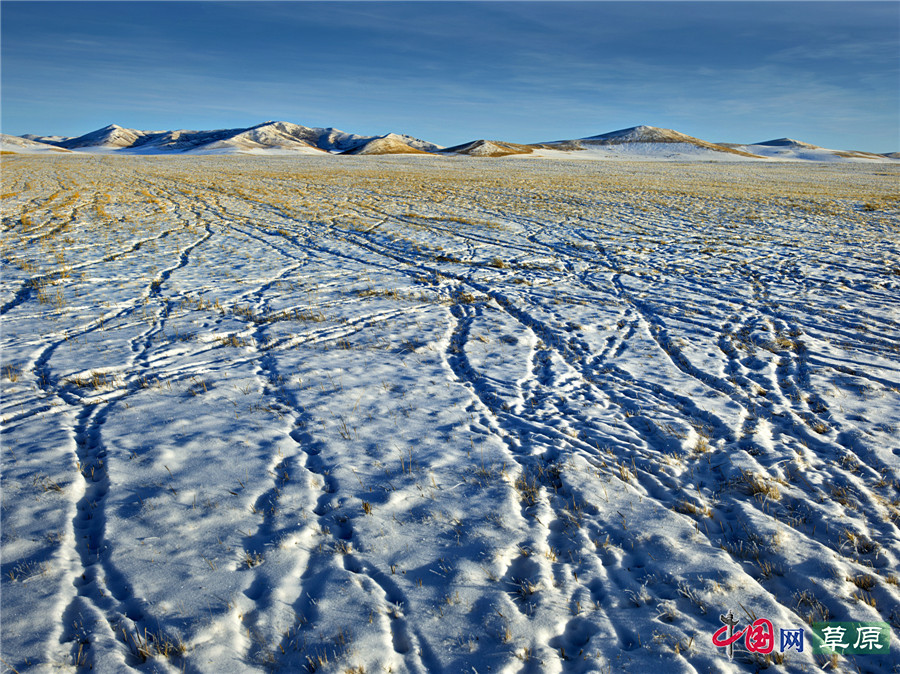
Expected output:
(450, 415)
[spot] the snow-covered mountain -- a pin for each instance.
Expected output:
(489, 148)
(50, 140)
(266, 138)
(20, 145)
(112, 137)
(790, 149)
(648, 143)
(389, 144)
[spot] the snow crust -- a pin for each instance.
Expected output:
(439, 414)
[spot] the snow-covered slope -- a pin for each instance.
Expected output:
(109, 137)
(390, 144)
(287, 136)
(114, 138)
(415, 143)
(790, 149)
(643, 134)
(489, 148)
(25, 146)
(267, 138)
(647, 142)
(50, 140)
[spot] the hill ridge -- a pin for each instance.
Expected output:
(272, 136)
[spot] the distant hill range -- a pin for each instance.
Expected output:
(266, 138)
(284, 138)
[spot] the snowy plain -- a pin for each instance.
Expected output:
(409, 414)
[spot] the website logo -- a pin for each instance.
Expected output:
(851, 638)
(760, 636)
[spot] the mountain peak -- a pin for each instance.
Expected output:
(275, 123)
(641, 134)
(787, 142)
(648, 141)
(489, 148)
(388, 144)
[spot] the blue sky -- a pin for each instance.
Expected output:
(826, 73)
